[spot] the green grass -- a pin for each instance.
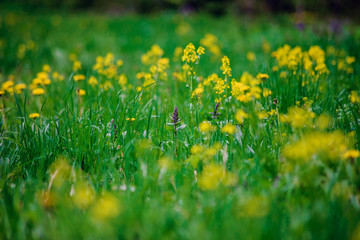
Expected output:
(82, 170)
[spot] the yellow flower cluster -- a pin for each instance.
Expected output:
(206, 127)
(107, 66)
(228, 128)
(247, 89)
(354, 97)
(240, 116)
(225, 67)
(219, 85)
(324, 145)
(158, 66)
(313, 60)
(200, 153)
(153, 55)
(10, 87)
(214, 175)
(198, 91)
(211, 43)
(190, 55)
(298, 117)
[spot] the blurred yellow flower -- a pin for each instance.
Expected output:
(34, 115)
(228, 128)
(107, 207)
(38, 91)
(80, 92)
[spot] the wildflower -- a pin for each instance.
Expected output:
(251, 56)
(80, 92)
(226, 66)
(228, 128)
(119, 63)
(57, 76)
(93, 81)
(266, 92)
(350, 60)
(107, 207)
(84, 195)
(19, 87)
(214, 175)
(210, 41)
(200, 50)
(130, 119)
(123, 80)
(76, 65)
(8, 84)
(206, 127)
(215, 114)
(38, 91)
(354, 97)
(262, 114)
(189, 54)
(240, 116)
(198, 91)
(153, 55)
(46, 68)
(327, 146)
(196, 149)
(351, 154)
(298, 117)
(34, 115)
(107, 85)
(262, 76)
(175, 119)
(79, 77)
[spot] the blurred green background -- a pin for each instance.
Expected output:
(345, 8)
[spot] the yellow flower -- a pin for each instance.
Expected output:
(34, 115)
(189, 54)
(130, 119)
(262, 76)
(226, 66)
(123, 80)
(19, 87)
(84, 195)
(76, 65)
(350, 60)
(93, 81)
(119, 63)
(8, 84)
(79, 77)
(262, 115)
(251, 56)
(38, 91)
(46, 68)
(213, 175)
(351, 154)
(228, 128)
(196, 149)
(80, 92)
(240, 116)
(200, 50)
(266, 92)
(106, 207)
(354, 97)
(206, 127)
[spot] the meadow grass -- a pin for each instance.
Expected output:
(263, 144)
